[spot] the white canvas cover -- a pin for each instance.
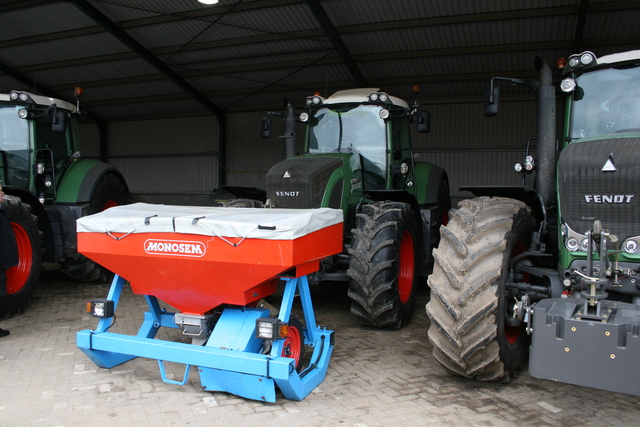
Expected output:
(252, 223)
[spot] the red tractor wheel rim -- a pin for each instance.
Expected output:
(445, 218)
(512, 333)
(109, 204)
(293, 345)
(406, 269)
(17, 276)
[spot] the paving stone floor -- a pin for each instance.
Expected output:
(376, 378)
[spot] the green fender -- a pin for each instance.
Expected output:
(79, 181)
(427, 182)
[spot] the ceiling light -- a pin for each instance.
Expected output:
(208, 1)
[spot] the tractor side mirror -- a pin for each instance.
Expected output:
(424, 121)
(492, 97)
(58, 120)
(266, 128)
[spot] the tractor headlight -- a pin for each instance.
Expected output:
(268, 328)
(584, 245)
(384, 113)
(518, 167)
(631, 245)
(23, 113)
(568, 85)
(39, 168)
(404, 168)
(529, 163)
(304, 117)
(572, 244)
(575, 241)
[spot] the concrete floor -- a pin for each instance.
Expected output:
(376, 378)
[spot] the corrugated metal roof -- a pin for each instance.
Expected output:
(142, 58)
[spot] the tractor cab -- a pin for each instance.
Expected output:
(34, 130)
(366, 122)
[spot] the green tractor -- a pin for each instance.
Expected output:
(357, 157)
(552, 272)
(47, 186)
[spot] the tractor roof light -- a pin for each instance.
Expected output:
(314, 100)
(23, 113)
(269, 328)
(20, 96)
(384, 114)
(587, 58)
(581, 60)
(379, 97)
(304, 117)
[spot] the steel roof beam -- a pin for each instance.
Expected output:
(333, 35)
(134, 45)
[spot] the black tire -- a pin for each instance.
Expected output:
(23, 279)
(241, 203)
(109, 192)
(469, 304)
(383, 265)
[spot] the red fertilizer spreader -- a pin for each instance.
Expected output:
(215, 266)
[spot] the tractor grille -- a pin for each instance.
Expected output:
(300, 182)
(588, 193)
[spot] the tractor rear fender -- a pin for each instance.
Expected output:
(79, 183)
(428, 177)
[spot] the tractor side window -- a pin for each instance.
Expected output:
(14, 147)
(352, 129)
(58, 142)
(606, 101)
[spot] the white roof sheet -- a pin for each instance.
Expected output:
(270, 224)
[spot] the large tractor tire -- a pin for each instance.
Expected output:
(470, 305)
(383, 265)
(241, 203)
(109, 192)
(22, 279)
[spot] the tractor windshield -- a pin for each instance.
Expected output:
(350, 128)
(14, 147)
(606, 101)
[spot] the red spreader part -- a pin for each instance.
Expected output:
(215, 256)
